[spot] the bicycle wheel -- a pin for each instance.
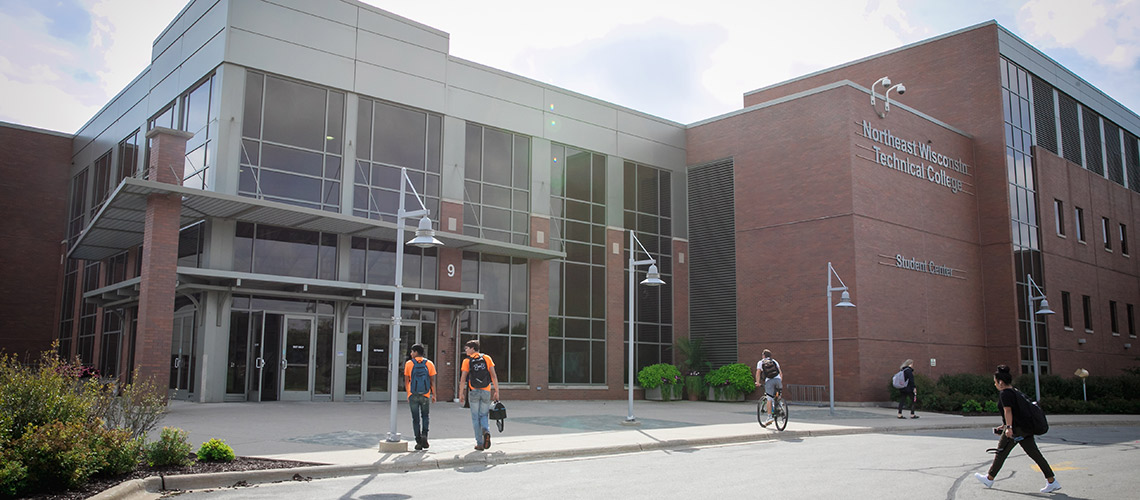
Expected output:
(781, 414)
(761, 415)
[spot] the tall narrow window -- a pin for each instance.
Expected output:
(1123, 239)
(1066, 310)
(1112, 317)
(1131, 320)
(1059, 216)
(1105, 233)
(1086, 303)
(1079, 215)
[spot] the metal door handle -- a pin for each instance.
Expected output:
(259, 363)
(178, 362)
(284, 363)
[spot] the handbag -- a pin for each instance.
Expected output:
(498, 413)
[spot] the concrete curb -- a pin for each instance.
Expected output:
(154, 486)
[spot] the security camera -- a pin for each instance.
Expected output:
(902, 89)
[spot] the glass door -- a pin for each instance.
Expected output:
(256, 361)
(376, 341)
(182, 356)
(297, 358)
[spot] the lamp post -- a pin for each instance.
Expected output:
(844, 301)
(425, 238)
(1030, 286)
(1083, 374)
(652, 278)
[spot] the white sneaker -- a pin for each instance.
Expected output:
(1051, 487)
(990, 482)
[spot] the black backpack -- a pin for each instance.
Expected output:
(1032, 417)
(478, 373)
(421, 379)
(769, 368)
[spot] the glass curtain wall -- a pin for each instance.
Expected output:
(1017, 103)
(390, 137)
(496, 188)
(281, 251)
(577, 287)
(648, 211)
(292, 140)
(499, 321)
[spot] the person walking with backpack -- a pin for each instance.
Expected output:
(773, 380)
(908, 392)
(479, 375)
(419, 382)
(1013, 415)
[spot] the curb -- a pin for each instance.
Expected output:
(155, 486)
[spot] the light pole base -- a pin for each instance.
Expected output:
(631, 422)
(393, 446)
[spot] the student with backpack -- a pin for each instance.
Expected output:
(768, 372)
(479, 376)
(1019, 426)
(419, 382)
(904, 382)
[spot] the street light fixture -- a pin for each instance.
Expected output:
(1030, 285)
(844, 301)
(652, 278)
(425, 238)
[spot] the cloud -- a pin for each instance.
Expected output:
(1107, 32)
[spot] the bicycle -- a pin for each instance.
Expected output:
(779, 411)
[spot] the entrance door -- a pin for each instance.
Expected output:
(297, 358)
(256, 357)
(376, 341)
(182, 356)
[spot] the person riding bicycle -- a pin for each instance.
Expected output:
(769, 369)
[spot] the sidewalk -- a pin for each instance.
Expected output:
(345, 436)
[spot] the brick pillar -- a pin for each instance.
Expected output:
(538, 331)
(160, 258)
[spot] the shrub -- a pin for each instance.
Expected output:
(58, 454)
(36, 396)
(730, 381)
(120, 451)
(172, 448)
(215, 451)
(657, 375)
(971, 406)
(969, 384)
(990, 407)
(13, 474)
(138, 407)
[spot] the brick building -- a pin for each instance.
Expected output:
(237, 203)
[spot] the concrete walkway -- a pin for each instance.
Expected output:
(346, 436)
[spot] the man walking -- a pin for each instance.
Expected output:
(419, 382)
(479, 374)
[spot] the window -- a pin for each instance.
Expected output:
(496, 188)
(1066, 310)
(1105, 233)
(1123, 239)
(647, 210)
(389, 138)
(101, 183)
(264, 249)
(1086, 303)
(1080, 222)
(499, 321)
(292, 136)
(1131, 321)
(78, 206)
(1059, 216)
(1112, 317)
(129, 156)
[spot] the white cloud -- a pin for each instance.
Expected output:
(1107, 32)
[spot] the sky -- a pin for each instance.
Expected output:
(62, 60)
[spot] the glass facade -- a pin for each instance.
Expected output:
(647, 211)
(496, 188)
(283, 251)
(577, 286)
(499, 321)
(1017, 103)
(292, 141)
(388, 138)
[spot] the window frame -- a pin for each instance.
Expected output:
(1059, 216)
(1079, 216)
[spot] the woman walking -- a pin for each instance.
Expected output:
(1012, 416)
(909, 393)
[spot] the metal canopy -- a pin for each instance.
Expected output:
(119, 225)
(192, 280)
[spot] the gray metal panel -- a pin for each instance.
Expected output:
(712, 264)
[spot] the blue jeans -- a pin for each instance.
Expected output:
(420, 405)
(480, 400)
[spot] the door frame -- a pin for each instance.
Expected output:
(310, 375)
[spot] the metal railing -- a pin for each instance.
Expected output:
(799, 393)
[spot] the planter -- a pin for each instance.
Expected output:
(656, 394)
(723, 396)
(694, 387)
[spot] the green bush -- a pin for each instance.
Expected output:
(215, 451)
(969, 384)
(33, 396)
(971, 406)
(657, 375)
(730, 381)
(120, 451)
(990, 407)
(138, 407)
(58, 455)
(172, 448)
(13, 474)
